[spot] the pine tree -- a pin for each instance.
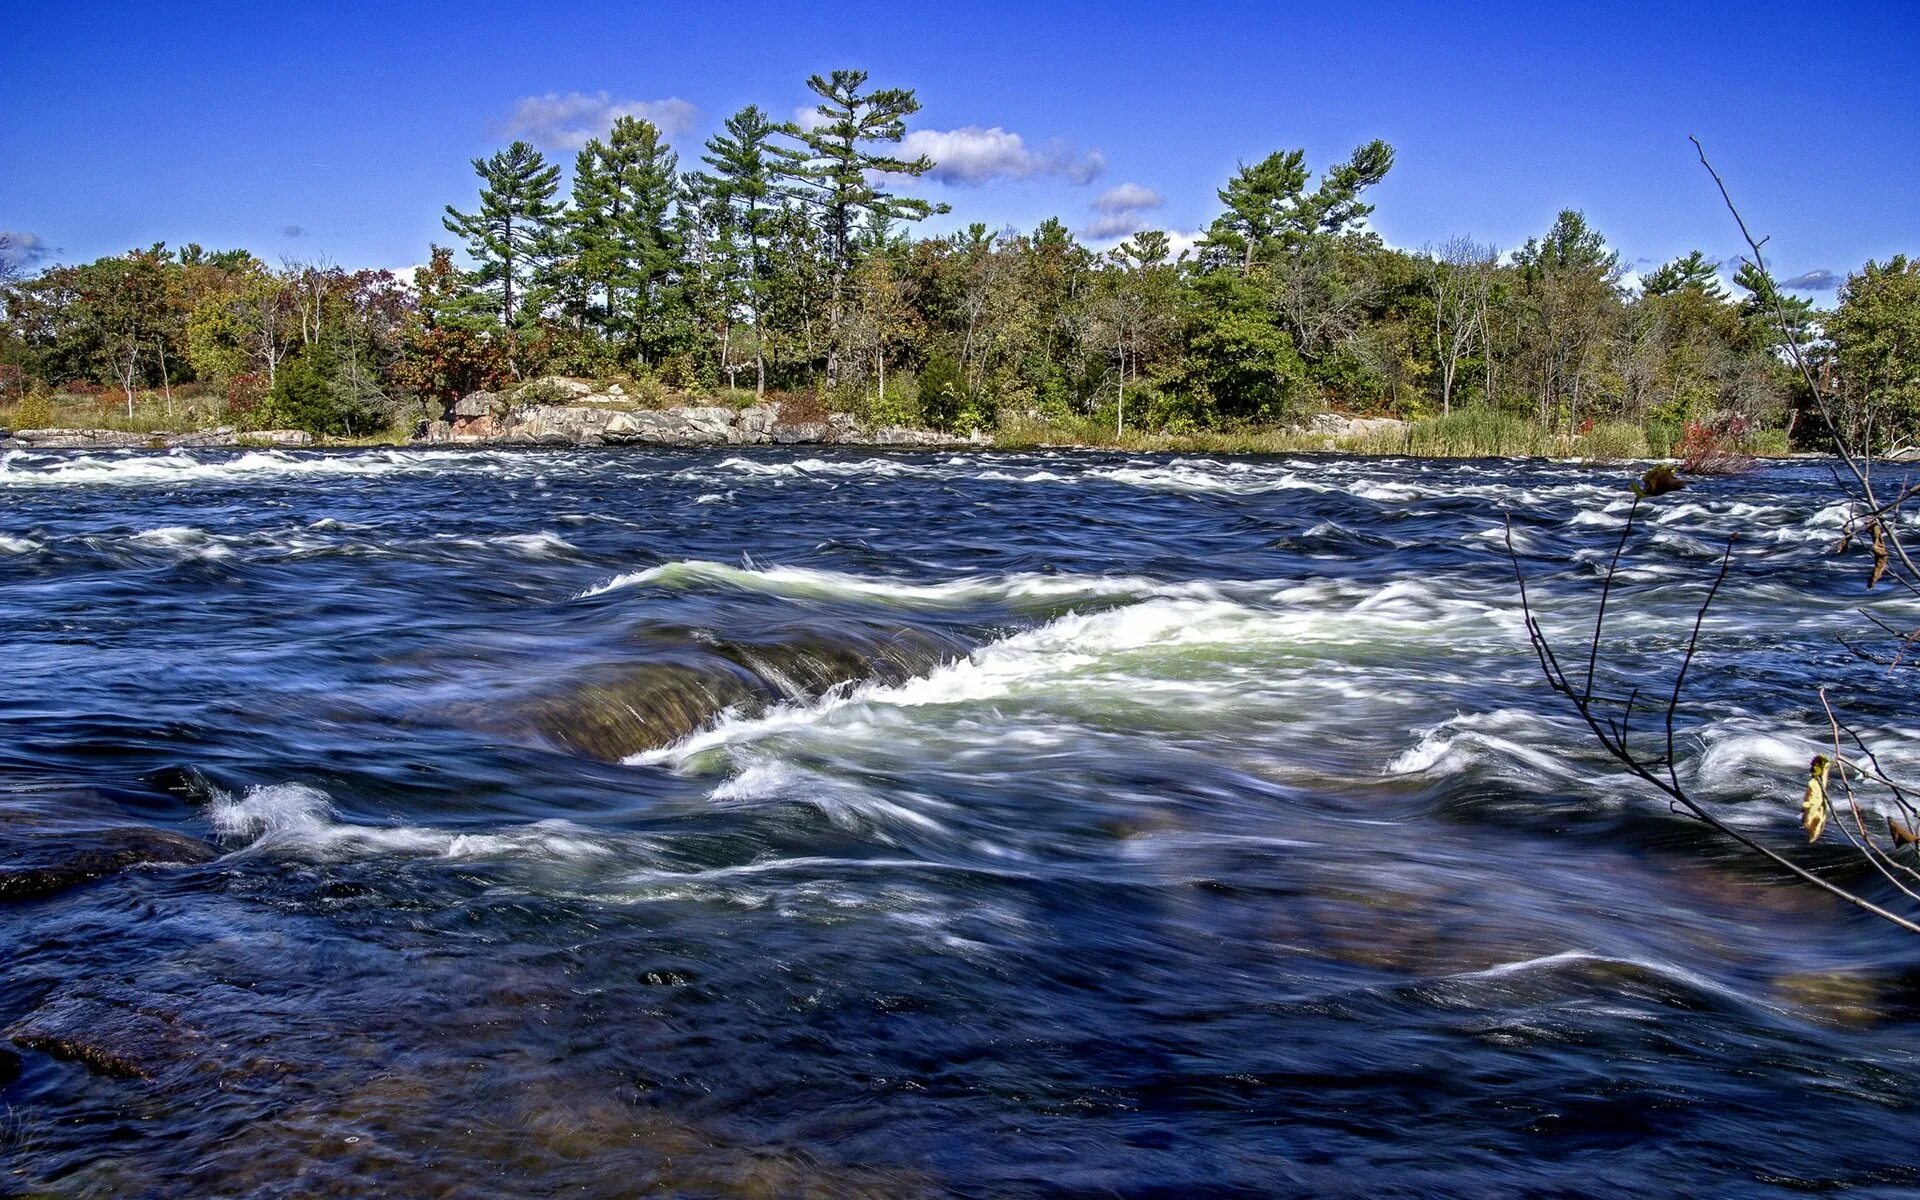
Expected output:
(511, 238)
(837, 169)
(1694, 270)
(621, 231)
(743, 186)
(1269, 207)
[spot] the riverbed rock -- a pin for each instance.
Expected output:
(613, 711)
(109, 1032)
(43, 863)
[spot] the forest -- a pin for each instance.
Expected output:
(786, 259)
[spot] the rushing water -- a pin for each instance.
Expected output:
(835, 824)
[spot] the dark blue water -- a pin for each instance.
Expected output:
(840, 825)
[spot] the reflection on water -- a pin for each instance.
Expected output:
(505, 824)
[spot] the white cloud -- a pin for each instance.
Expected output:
(1112, 225)
(24, 250)
(565, 120)
(1179, 243)
(1129, 198)
(971, 155)
(1814, 281)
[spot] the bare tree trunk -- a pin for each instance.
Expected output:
(165, 381)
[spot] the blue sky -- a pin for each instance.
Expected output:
(339, 131)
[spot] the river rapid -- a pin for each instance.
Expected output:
(842, 824)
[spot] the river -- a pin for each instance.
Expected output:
(841, 824)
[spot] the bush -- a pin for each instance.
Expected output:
(35, 410)
(1714, 447)
(943, 392)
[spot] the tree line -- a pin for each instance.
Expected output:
(785, 258)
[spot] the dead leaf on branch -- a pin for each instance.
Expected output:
(1813, 805)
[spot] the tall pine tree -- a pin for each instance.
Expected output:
(839, 169)
(742, 184)
(511, 237)
(621, 231)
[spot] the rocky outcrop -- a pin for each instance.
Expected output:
(119, 439)
(556, 411)
(86, 439)
(285, 439)
(1336, 428)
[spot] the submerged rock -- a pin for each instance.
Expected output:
(109, 1034)
(43, 864)
(618, 711)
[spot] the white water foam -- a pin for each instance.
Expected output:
(816, 583)
(292, 818)
(181, 467)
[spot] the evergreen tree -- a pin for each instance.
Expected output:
(839, 169)
(1269, 207)
(1694, 270)
(743, 159)
(511, 237)
(621, 231)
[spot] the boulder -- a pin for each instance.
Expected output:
(670, 427)
(558, 425)
(479, 404)
(472, 429)
(900, 435)
(1337, 426)
(222, 436)
(806, 432)
(551, 388)
(437, 432)
(754, 426)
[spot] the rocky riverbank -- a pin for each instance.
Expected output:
(551, 411)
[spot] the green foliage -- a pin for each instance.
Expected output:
(789, 259)
(511, 237)
(1477, 432)
(1614, 439)
(942, 392)
(1876, 338)
(35, 408)
(1693, 270)
(1239, 358)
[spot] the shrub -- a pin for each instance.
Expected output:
(35, 410)
(1714, 447)
(943, 392)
